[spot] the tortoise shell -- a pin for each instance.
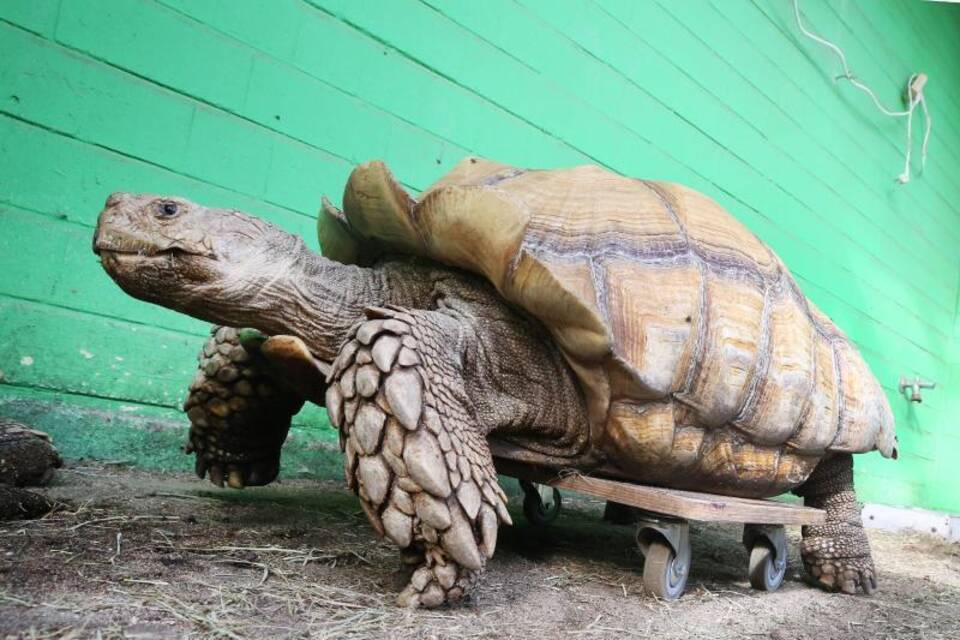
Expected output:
(703, 364)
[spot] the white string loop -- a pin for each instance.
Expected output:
(914, 93)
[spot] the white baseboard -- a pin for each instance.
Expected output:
(938, 523)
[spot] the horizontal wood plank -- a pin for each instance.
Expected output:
(706, 507)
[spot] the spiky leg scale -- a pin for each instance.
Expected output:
(836, 554)
(414, 454)
(239, 414)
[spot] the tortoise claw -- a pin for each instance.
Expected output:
(236, 479)
(200, 467)
(216, 475)
(869, 583)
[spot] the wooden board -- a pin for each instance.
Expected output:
(706, 507)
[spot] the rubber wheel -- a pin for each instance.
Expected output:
(662, 575)
(536, 512)
(764, 574)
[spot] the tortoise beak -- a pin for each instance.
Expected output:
(114, 199)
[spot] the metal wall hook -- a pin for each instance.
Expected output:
(914, 386)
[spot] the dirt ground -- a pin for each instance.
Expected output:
(135, 554)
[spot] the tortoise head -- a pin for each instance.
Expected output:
(198, 260)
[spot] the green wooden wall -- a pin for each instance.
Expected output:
(264, 105)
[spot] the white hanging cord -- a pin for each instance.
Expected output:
(914, 93)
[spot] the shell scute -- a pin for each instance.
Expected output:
(654, 321)
(785, 383)
(818, 426)
(731, 346)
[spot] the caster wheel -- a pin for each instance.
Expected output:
(538, 511)
(766, 571)
(663, 574)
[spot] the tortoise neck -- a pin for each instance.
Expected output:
(329, 299)
(301, 293)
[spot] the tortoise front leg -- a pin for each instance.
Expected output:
(836, 554)
(239, 413)
(415, 454)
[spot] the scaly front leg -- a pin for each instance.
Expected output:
(415, 454)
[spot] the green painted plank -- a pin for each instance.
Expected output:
(913, 53)
(384, 77)
(53, 174)
(152, 42)
(54, 348)
(807, 75)
(941, 19)
(89, 101)
(277, 36)
(289, 98)
(38, 16)
(782, 18)
(940, 478)
(875, 340)
(457, 55)
(750, 83)
(96, 103)
(875, 482)
(274, 95)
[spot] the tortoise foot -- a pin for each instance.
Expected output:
(829, 568)
(239, 414)
(439, 580)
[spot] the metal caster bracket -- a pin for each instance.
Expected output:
(541, 503)
(674, 532)
(665, 543)
(774, 535)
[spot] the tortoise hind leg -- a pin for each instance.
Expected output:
(239, 413)
(415, 454)
(836, 554)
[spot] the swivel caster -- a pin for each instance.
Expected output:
(665, 544)
(768, 555)
(541, 503)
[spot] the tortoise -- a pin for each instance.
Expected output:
(27, 459)
(568, 319)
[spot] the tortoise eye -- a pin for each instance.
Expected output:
(168, 209)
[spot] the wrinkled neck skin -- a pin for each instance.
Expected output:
(293, 291)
